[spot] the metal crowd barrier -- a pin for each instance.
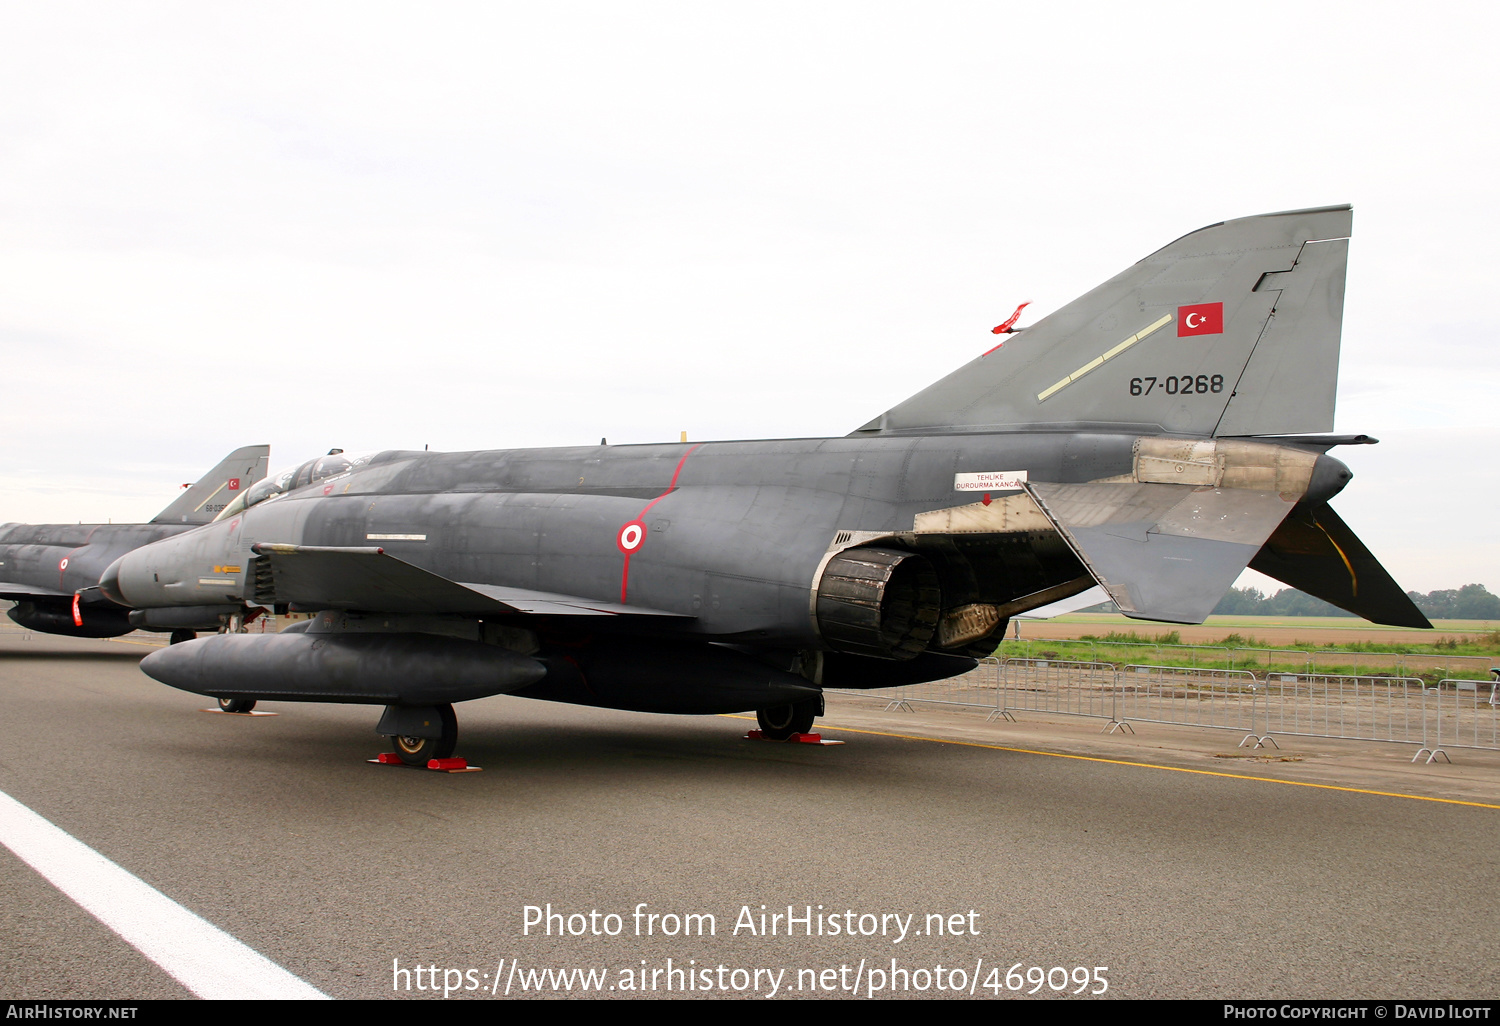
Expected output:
(1466, 716)
(1060, 686)
(1357, 708)
(1402, 710)
(1189, 696)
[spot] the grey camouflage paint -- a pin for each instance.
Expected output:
(1149, 429)
(42, 566)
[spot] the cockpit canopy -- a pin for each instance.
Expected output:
(316, 469)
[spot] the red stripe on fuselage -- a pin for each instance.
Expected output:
(672, 487)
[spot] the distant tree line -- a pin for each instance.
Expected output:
(1471, 602)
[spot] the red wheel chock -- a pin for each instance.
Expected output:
(454, 765)
(800, 739)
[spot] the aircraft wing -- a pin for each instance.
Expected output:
(524, 600)
(22, 592)
(370, 579)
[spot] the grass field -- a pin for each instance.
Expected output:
(1278, 630)
(1324, 645)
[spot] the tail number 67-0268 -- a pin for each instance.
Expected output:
(1187, 384)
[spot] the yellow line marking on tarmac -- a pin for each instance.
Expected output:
(1148, 765)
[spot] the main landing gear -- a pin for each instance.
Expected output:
(236, 705)
(779, 722)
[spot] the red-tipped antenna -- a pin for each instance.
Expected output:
(1007, 328)
(1010, 322)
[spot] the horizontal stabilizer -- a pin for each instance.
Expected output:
(1163, 551)
(370, 579)
(1314, 551)
(218, 488)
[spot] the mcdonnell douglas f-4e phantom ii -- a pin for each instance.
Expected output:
(1155, 436)
(51, 571)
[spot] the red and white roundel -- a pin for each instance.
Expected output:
(62, 564)
(630, 537)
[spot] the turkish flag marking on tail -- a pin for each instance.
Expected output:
(234, 484)
(1203, 319)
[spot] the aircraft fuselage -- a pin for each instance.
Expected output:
(735, 544)
(43, 566)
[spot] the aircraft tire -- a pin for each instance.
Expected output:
(236, 705)
(416, 751)
(179, 636)
(779, 722)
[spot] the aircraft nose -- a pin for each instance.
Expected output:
(109, 583)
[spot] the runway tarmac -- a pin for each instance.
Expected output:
(1238, 882)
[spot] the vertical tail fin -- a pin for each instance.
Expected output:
(1230, 330)
(216, 489)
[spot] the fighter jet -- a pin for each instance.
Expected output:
(1156, 436)
(50, 571)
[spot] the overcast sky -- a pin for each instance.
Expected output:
(498, 225)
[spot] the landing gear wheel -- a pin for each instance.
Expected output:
(779, 722)
(239, 705)
(416, 751)
(178, 637)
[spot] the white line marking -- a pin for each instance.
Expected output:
(194, 952)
